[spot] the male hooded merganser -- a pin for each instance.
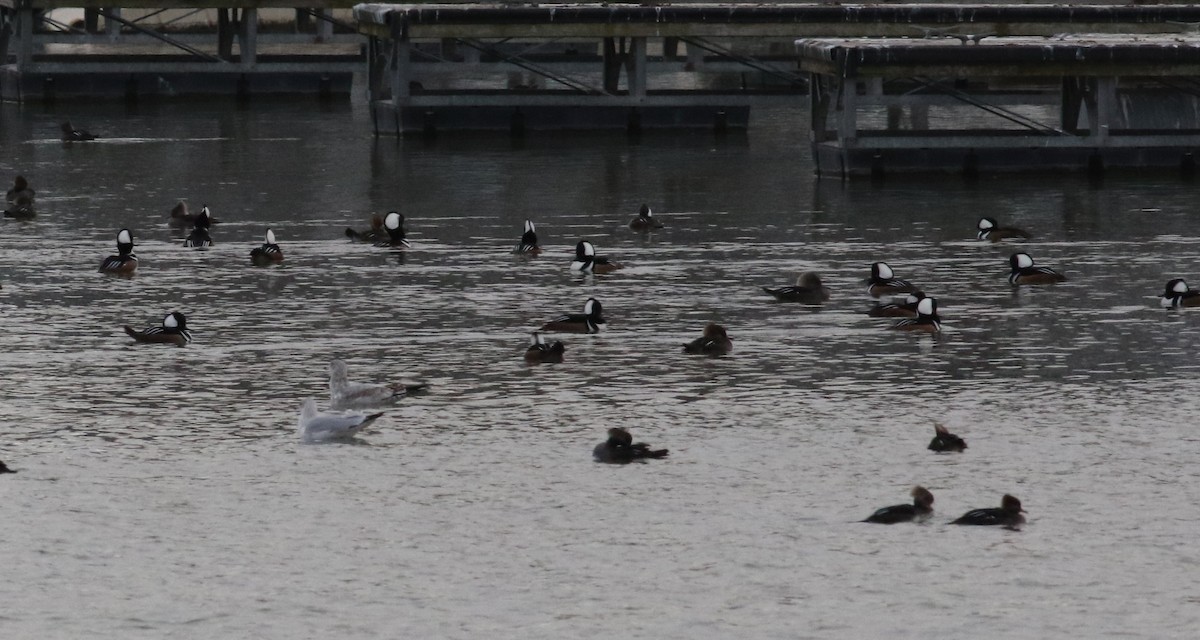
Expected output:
(920, 509)
(125, 262)
(927, 319)
(344, 394)
(4, 468)
(19, 200)
(620, 448)
(645, 220)
(883, 282)
(808, 290)
(539, 351)
(315, 426)
(587, 322)
(199, 238)
(906, 309)
(991, 230)
(529, 241)
(1023, 271)
(714, 342)
(945, 441)
(182, 217)
(586, 260)
(393, 226)
(173, 331)
(372, 235)
(1179, 295)
(1008, 515)
(71, 134)
(269, 253)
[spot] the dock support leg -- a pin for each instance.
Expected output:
(613, 60)
(5, 37)
(848, 106)
(224, 34)
(112, 28)
(636, 68)
(695, 57)
(1106, 106)
(401, 69)
(24, 37)
(324, 25)
(248, 38)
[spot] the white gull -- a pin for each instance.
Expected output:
(344, 394)
(315, 426)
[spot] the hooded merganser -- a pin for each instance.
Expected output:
(4, 468)
(586, 260)
(883, 282)
(1178, 295)
(173, 331)
(587, 322)
(927, 319)
(71, 134)
(125, 262)
(344, 394)
(199, 238)
(539, 351)
(19, 200)
(945, 441)
(1023, 271)
(315, 426)
(808, 290)
(620, 448)
(529, 241)
(1008, 515)
(920, 509)
(645, 220)
(714, 342)
(372, 235)
(393, 226)
(906, 309)
(991, 230)
(182, 217)
(269, 253)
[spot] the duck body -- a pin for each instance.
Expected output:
(714, 342)
(529, 241)
(883, 282)
(199, 237)
(586, 260)
(71, 134)
(990, 230)
(540, 351)
(906, 309)
(944, 441)
(927, 319)
(125, 262)
(1178, 295)
(807, 290)
(268, 254)
(1008, 515)
(620, 448)
(372, 235)
(590, 321)
(4, 468)
(393, 228)
(1023, 271)
(317, 426)
(645, 220)
(173, 331)
(920, 509)
(19, 200)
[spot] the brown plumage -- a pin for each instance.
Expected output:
(715, 341)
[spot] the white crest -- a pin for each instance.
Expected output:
(588, 306)
(926, 306)
(536, 339)
(205, 211)
(528, 226)
(985, 224)
(1180, 287)
(588, 249)
(912, 298)
(649, 213)
(1024, 261)
(885, 272)
(124, 238)
(170, 322)
(270, 237)
(392, 221)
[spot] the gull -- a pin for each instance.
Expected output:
(344, 394)
(315, 426)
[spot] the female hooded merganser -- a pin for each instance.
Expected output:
(920, 509)
(344, 394)
(1023, 271)
(587, 322)
(393, 226)
(539, 351)
(991, 230)
(620, 448)
(1179, 295)
(4, 468)
(883, 282)
(199, 238)
(182, 217)
(927, 319)
(945, 441)
(529, 241)
(315, 426)
(586, 260)
(906, 309)
(269, 253)
(19, 200)
(1008, 515)
(808, 290)
(173, 331)
(125, 262)
(71, 134)
(372, 235)
(714, 342)
(645, 220)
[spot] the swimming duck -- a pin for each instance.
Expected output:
(269, 253)
(4, 468)
(991, 230)
(645, 220)
(125, 262)
(374, 234)
(883, 282)
(182, 217)
(344, 394)
(714, 342)
(944, 441)
(1008, 515)
(71, 134)
(1178, 295)
(316, 426)
(1023, 271)
(920, 509)
(586, 260)
(539, 351)
(393, 226)
(906, 309)
(587, 322)
(19, 200)
(529, 241)
(807, 290)
(199, 238)
(927, 319)
(173, 331)
(620, 448)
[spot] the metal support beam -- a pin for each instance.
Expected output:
(112, 28)
(248, 37)
(24, 36)
(848, 107)
(324, 25)
(636, 67)
(401, 68)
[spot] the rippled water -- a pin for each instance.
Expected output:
(163, 492)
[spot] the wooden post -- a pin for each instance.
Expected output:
(112, 28)
(636, 67)
(1106, 106)
(324, 25)
(24, 36)
(248, 38)
(401, 67)
(224, 34)
(612, 65)
(848, 104)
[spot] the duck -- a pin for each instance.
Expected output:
(1023, 271)
(393, 226)
(619, 448)
(269, 253)
(714, 342)
(944, 441)
(199, 238)
(182, 217)
(372, 235)
(1008, 515)
(125, 262)
(883, 282)
(920, 509)
(19, 200)
(586, 260)
(539, 351)
(906, 309)
(1177, 294)
(4, 468)
(589, 321)
(71, 134)
(645, 220)
(529, 241)
(927, 319)
(807, 290)
(991, 230)
(173, 331)
(317, 426)
(344, 394)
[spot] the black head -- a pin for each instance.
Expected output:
(591, 308)
(1011, 504)
(530, 235)
(881, 271)
(922, 497)
(927, 308)
(175, 321)
(202, 220)
(581, 250)
(19, 183)
(619, 436)
(645, 212)
(393, 223)
(124, 242)
(1175, 287)
(1020, 261)
(987, 224)
(66, 127)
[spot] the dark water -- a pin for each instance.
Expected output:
(163, 491)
